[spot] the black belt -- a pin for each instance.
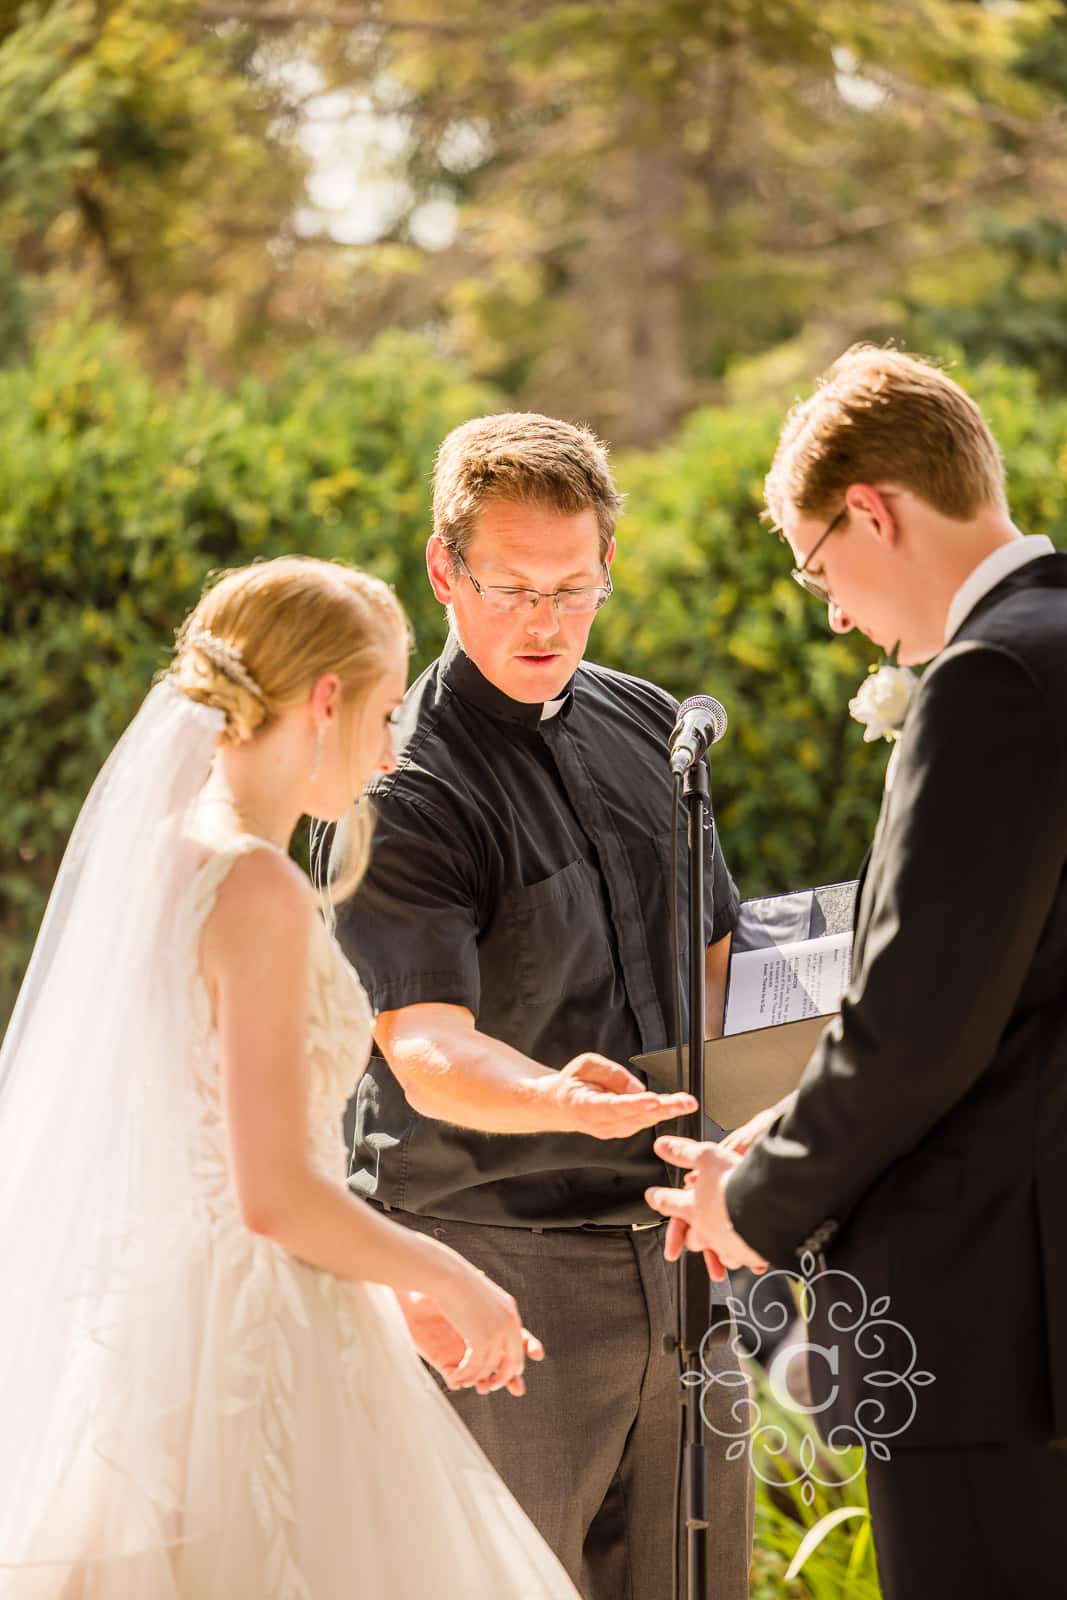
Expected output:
(601, 1227)
(528, 1227)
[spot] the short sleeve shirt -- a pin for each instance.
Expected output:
(522, 868)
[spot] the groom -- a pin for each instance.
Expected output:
(925, 1152)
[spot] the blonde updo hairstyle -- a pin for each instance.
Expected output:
(274, 629)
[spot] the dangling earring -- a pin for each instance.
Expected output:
(316, 765)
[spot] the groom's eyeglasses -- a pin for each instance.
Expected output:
(807, 580)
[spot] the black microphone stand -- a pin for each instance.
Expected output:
(693, 1283)
(696, 1314)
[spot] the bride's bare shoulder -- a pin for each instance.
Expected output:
(262, 896)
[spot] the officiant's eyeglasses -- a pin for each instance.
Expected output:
(807, 580)
(568, 602)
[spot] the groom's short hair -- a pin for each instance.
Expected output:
(882, 416)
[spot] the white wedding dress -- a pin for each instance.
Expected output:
(316, 1458)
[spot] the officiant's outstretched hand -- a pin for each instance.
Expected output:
(698, 1216)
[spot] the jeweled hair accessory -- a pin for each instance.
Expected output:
(227, 657)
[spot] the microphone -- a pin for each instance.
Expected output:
(701, 722)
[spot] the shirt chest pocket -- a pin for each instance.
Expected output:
(551, 939)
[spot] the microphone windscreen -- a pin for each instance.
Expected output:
(715, 710)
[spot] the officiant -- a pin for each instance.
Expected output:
(513, 934)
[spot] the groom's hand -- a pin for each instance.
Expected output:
(699, 1218)
(742, 1139)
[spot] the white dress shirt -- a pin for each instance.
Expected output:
(989, 572)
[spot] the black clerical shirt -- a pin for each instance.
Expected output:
(521, 868)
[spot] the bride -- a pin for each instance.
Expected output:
(209, 1379)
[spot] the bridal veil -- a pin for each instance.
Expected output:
(98, 1199)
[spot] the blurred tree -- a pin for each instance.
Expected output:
(605, 208)
(142, 170)
(646, 193)
(1009, 301)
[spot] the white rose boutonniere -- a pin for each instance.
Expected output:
(882, 700)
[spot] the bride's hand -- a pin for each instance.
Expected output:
(440, 1343)
(486, 1319)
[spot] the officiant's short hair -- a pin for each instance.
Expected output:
(879, 415)
(527, 458)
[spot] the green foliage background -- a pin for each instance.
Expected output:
(119, 495)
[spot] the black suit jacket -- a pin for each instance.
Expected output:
(926, 1155)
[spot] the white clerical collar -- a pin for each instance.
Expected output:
(989, 572)
(552, 708)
